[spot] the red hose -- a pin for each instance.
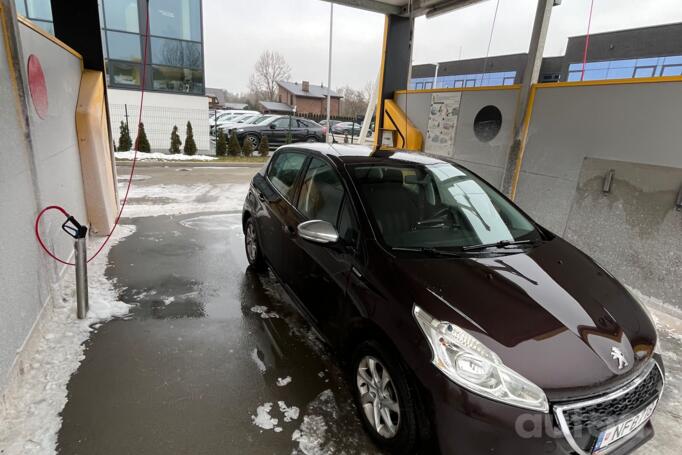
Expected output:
(587, 41)
(130, 178)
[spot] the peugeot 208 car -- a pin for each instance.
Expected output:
(466, 327)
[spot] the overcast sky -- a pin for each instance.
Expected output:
(237, 31)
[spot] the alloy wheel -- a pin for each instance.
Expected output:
(378, 397)
(253, 140)
(251, 243)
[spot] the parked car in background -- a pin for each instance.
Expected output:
(277, 128)
(332, 122)
(466, 326)
(346, 128)
(228, 116)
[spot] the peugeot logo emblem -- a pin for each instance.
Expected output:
(618, 355)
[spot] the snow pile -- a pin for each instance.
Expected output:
(255, 356)
(263, 311)
(290, 412)
(153, 200)
(141, 156)
(313, 437)
(30, 418)
(281, 382)
(263, 419)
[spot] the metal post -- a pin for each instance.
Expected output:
(329, 75)
(81, 277)
(530, 77)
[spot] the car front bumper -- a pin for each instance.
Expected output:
(467, 423)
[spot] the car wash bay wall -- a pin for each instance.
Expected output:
(40, 166)
(578, 133)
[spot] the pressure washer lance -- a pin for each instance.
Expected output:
(78, 232)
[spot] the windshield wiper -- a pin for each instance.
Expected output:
(429, 250)
(500, 244)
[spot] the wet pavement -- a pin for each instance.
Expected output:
(212, 353)
(204, 347)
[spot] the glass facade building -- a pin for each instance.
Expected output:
(626, 69)
(465, 80)
(175, 60)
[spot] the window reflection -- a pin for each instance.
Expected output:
(175, 19)
(124, 46)
(177, 79)
(121, 15)
(176, 53)
(122, 73)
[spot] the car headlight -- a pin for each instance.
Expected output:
(472, 365)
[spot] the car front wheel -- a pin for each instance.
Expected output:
(385, 400)
(254, 140)
(252, 246)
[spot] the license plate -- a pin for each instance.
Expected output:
(613, 434)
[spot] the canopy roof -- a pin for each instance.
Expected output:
(400, 7)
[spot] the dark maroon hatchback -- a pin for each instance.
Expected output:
(467, 327)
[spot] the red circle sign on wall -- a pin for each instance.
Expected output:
(37, 86)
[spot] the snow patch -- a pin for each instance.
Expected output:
(154, 200)
(257, 360)
(263, 311)
(30, 418)
(290, 412)
(281, 382)
(156, 156)
(263, 419)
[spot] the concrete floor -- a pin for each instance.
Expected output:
(188, 369)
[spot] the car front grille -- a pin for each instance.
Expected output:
(582, 422)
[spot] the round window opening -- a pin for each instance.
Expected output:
(487, 123)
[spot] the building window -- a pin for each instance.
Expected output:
(627, 69)
(170, 52)
(179, 19)
(121, 15)
(21, 7)
(645, 71)
(39, 9)
(177, 79)
(124, 46)
(125, 74)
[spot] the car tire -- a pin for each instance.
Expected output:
(396, 399)
(252, 246)
(311, 139)
(255, 140)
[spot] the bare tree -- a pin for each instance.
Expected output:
(354, 102)
(270, 68)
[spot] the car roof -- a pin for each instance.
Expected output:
(362, 154)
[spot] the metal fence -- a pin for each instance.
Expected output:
(158, 123)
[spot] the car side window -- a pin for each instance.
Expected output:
(321, 193)
(282, 123)
(347, 227)
(284, 170)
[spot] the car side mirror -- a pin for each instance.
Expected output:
(273, 126)
(318, 231)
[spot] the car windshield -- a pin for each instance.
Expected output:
(437, 206)
(260, 120)
(269, 120)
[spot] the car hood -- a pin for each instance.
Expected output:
(550, 312)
